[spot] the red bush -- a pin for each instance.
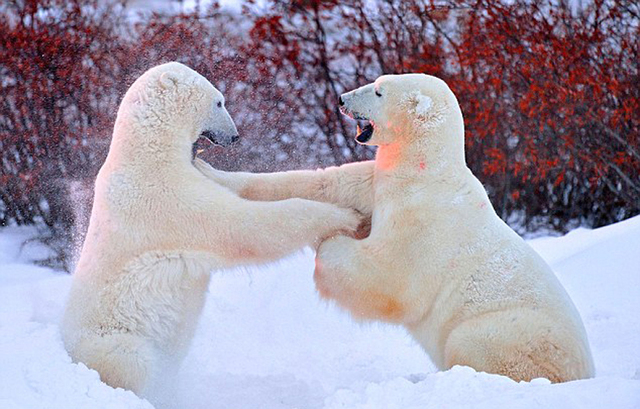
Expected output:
(550, 93)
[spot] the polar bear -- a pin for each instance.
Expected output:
(159, 227)
(439, 261)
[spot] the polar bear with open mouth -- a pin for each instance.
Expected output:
(439, 260)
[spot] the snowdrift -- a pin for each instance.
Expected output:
(266, 340)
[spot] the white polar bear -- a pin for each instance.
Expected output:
(439, 260)
(159, 226)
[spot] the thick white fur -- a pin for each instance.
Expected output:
(349, 185)
(159, 227)
(438, 260)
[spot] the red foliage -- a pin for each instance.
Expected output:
(555, 90)
(550, 93)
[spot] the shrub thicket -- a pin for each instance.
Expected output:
(550, 94)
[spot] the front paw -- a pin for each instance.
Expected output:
(364, 228)
(330, 267)
(333, 247)
(347, 223)
(324, 268)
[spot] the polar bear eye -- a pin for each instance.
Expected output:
(219, 104)
(378, 93)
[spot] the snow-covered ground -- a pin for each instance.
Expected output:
(265, 340)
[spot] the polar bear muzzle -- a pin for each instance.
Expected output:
(219, 138)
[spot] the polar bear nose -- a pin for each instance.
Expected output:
(235, 138)
(340, 101)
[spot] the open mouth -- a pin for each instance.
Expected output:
(210, 136)
(364, 128)
(218, 139)
(364, 131)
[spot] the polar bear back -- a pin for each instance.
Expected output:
(466, 244)
(465, 262)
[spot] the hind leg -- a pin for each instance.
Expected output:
(515, 345)
(123, 360)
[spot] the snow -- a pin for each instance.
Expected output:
(266, 340)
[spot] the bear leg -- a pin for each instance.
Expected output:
(123, 360)
(355, 280)
(522, 351)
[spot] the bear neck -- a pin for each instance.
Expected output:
(156, 144)
(421, 153)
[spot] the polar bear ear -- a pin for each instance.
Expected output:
(419, 103)
(424, 104)
(168, 80)
(428, 113)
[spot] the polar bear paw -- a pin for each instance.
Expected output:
(343, 222)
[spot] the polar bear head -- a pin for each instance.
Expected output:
(400, 106)
(173, 101)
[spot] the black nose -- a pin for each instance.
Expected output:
(235, 138)
(340, 101)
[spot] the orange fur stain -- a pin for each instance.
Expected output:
(318, 279)
(252, 192)
(381, 306)
(245, 253)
